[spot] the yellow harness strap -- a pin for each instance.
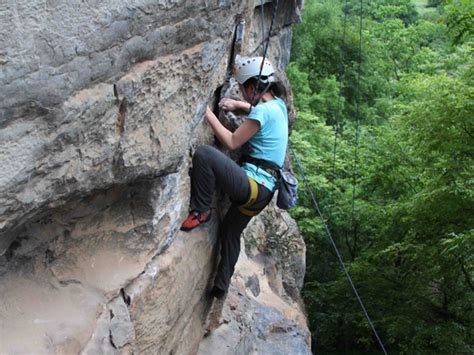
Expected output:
(253, 197)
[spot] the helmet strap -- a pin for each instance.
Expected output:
(255, 100)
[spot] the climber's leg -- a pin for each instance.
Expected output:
(213, 168)
(231, 228)
(210, 168)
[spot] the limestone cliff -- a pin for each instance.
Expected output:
(101, 109)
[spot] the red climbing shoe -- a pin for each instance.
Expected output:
(194, 219)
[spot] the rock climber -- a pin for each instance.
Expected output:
(251, 185)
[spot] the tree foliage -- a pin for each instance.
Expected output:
(407, 231)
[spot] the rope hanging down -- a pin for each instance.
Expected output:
(341, 261)
(262, 17)
(275, 8)
(356, 149)
(316, 206)
(265, 38)
(310, 191)
(342, 72)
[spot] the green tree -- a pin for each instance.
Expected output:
(408, 237)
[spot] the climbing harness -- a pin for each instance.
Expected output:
(287, 185)
(266, 165)
(244, 209)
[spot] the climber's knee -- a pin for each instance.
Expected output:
(202, 152)
(208, 155)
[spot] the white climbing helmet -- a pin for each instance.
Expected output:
(246, 68)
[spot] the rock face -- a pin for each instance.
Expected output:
(101, 110)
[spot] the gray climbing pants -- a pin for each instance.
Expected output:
(212, 169)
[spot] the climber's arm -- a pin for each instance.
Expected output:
(236, 139)
(227, 104)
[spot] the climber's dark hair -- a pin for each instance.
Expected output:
(276, 88)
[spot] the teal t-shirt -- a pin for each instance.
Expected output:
(270, 142)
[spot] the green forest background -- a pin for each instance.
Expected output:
(386, 138)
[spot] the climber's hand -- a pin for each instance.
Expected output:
(227, 104)
(209, 114)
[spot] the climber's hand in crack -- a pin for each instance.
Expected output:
(232, 140)
(211, 118)
(228, 104)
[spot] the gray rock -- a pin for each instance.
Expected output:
(253, 285)
(249, 327)
(102, 107)
(99, 342)
(122, 331)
